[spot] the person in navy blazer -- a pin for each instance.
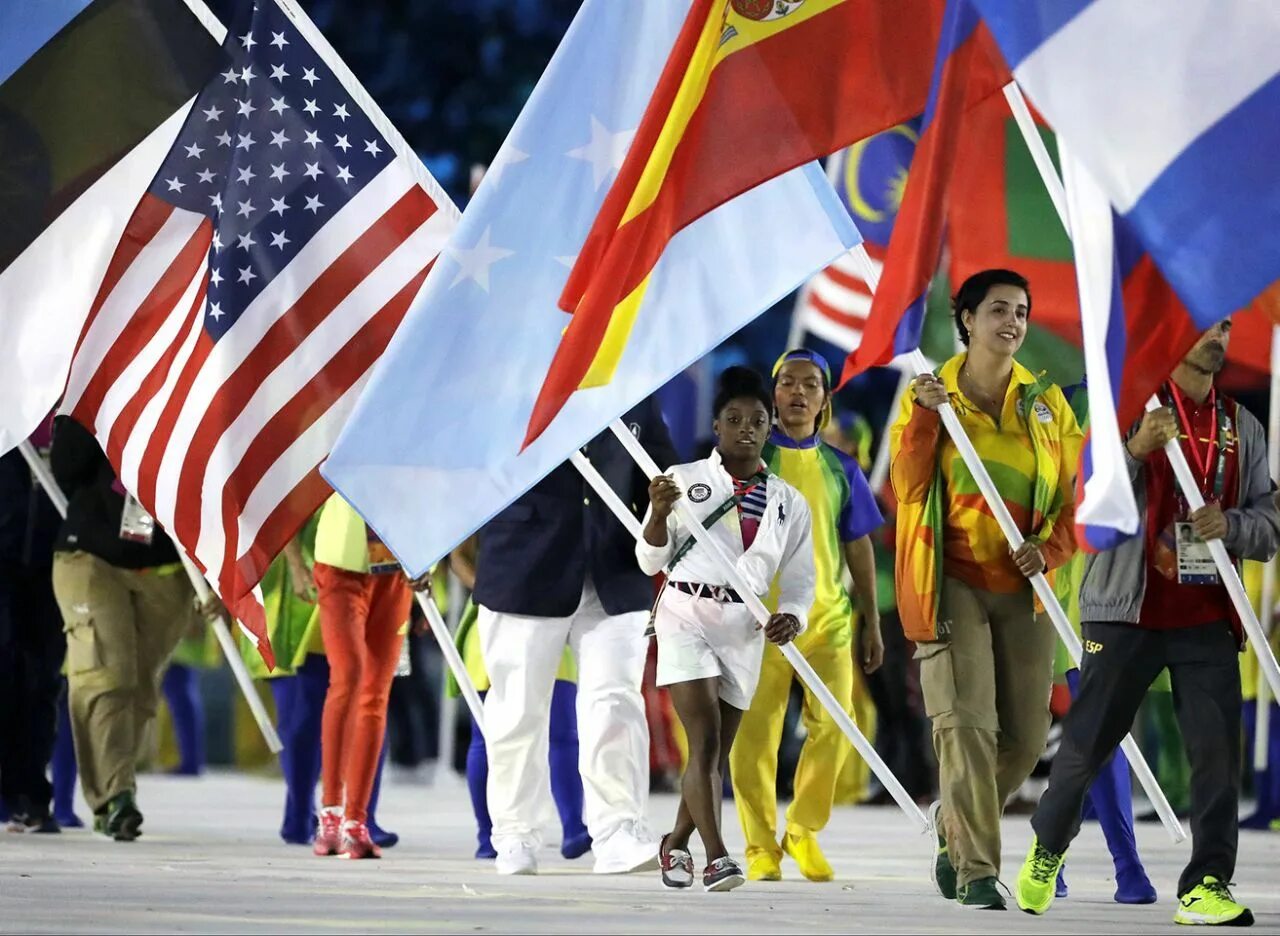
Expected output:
(557, 568)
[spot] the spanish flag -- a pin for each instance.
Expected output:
(751, 89)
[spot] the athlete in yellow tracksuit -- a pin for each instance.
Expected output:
(844, 514)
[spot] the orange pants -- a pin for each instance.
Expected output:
(360, 618)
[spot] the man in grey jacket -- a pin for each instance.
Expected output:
(1156, 602)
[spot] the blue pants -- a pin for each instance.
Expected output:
(181, 687)
(1110, 800)
(299, 708)
(63, 766)
(566, 781)
(1266, 784)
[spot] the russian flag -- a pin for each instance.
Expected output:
(1172, 108)
(967, 70)
(1175, 200)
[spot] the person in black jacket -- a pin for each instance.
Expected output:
(31, 644)
(557, 567)
(126, 602)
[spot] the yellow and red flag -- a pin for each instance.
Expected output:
(751, 89)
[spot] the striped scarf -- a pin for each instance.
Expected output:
(752, 498)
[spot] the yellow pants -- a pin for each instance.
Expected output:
(753, 762)
(853, 786)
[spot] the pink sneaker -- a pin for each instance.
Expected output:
(356, 842)
(329, 836)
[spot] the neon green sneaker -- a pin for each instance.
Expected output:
(982, 894)
(941, 871)
(1211, 904)
(1038, 879)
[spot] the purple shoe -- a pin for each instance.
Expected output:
(1133, 886)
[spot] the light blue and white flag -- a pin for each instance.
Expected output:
(432, 450)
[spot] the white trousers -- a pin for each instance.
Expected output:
(522, 655)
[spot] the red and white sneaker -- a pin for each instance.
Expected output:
(722, 874)
(328, 839)
(677, 866)
(356, 842)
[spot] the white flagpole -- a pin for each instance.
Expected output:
(1039, 583)
(451, 656)
(229, 648)
(761, 614)
(880, 467)
(1262, 723)
(1190, 490)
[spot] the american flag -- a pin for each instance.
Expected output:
(834, 303)
(259, 280)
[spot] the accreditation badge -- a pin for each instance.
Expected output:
(1195, 561)
(136, 525)
(381, 560)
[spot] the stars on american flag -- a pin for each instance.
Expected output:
(276, 131)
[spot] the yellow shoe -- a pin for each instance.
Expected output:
(765, 867)
(804, 849)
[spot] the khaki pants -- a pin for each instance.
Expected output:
(986, 689)
(122, 626)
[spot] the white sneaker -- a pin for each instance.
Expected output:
(517, 857)
(628, 850)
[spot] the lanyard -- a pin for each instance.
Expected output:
(1219, 437)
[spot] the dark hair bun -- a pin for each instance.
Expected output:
(742, 382)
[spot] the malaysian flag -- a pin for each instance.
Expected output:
(260, 278)
(870, 177)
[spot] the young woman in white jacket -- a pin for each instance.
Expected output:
(709, 644)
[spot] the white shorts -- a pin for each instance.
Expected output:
(699, 638)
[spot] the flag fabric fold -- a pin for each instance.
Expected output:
(1108, 511)
(750, 90)
(967, 70)
(434, 447)
(258, 280)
